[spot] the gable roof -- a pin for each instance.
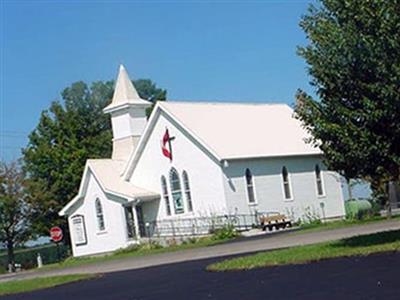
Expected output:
(238, 130)
(107, 172)
(234, 130)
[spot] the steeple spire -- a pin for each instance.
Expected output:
(125, 93)
(128, 116)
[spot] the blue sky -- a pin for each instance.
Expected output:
(197, 50)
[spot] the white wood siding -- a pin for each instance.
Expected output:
(267, 176)
(204, 173)
(113, 237)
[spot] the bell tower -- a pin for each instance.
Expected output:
(128, 116)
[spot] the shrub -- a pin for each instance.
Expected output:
(172, 242)
(129, 249)
(138, 247)
(310, 217)
(224, 233)
(359, 209)
(189, 241)
(150, 246)
(376, 208)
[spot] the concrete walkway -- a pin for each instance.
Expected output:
(243, 246)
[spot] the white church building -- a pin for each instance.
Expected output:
(196, 161)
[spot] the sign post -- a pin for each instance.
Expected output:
(56, 235)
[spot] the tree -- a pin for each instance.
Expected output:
(353, 57)
(15, 209)
(149, 91)
(68, 133)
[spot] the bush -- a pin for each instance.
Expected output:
(376, 207)
(190, 241)
(150, 246)
(224, 233)
(2, 270)
(359, 209)
(129, 249)
(310, 217)
(139, 247)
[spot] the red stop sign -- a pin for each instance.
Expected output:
(56, 234)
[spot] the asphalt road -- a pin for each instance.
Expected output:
(373, 277)
(258, 243)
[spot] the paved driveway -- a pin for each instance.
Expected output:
(374, 277)
(261, 243)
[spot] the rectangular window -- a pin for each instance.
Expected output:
(79, 230)
(176, 191)
(165, 195)
(186, 187)
(100, 216)
(319, 187)
(168, 207)
(189, 200)
(286, 184)
(250, 186)
(177, 197)
(250, 192)
(318, 181)
(286, 187)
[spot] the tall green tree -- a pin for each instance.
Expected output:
(353, 57)
(15, 209)
(68, 133)
(148, 90)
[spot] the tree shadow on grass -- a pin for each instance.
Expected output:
(370, 239)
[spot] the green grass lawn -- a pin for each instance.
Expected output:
(27, 285)
(356, 246)
(196, 243)
(342, 224)
(145, 249)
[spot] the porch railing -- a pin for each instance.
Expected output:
(197, 226)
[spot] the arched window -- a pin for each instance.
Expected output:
(186, 187)
(176, 191)
(164, 190)
(318, 179)
(99, 214)
(286, 183)
(250, 186)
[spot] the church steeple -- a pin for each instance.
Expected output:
(128, 116)
(125, 93)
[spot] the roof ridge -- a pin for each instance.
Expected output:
(199, 102)
(104, 159)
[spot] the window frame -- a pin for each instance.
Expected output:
(187, 191)
(84, 240)
(288, 182)
(165, 196)
(250, 185)
(321, 180)
(178, 191)
(99, 215)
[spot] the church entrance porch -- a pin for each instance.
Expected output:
(136, 225)
(131, 226)
(142, 225)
